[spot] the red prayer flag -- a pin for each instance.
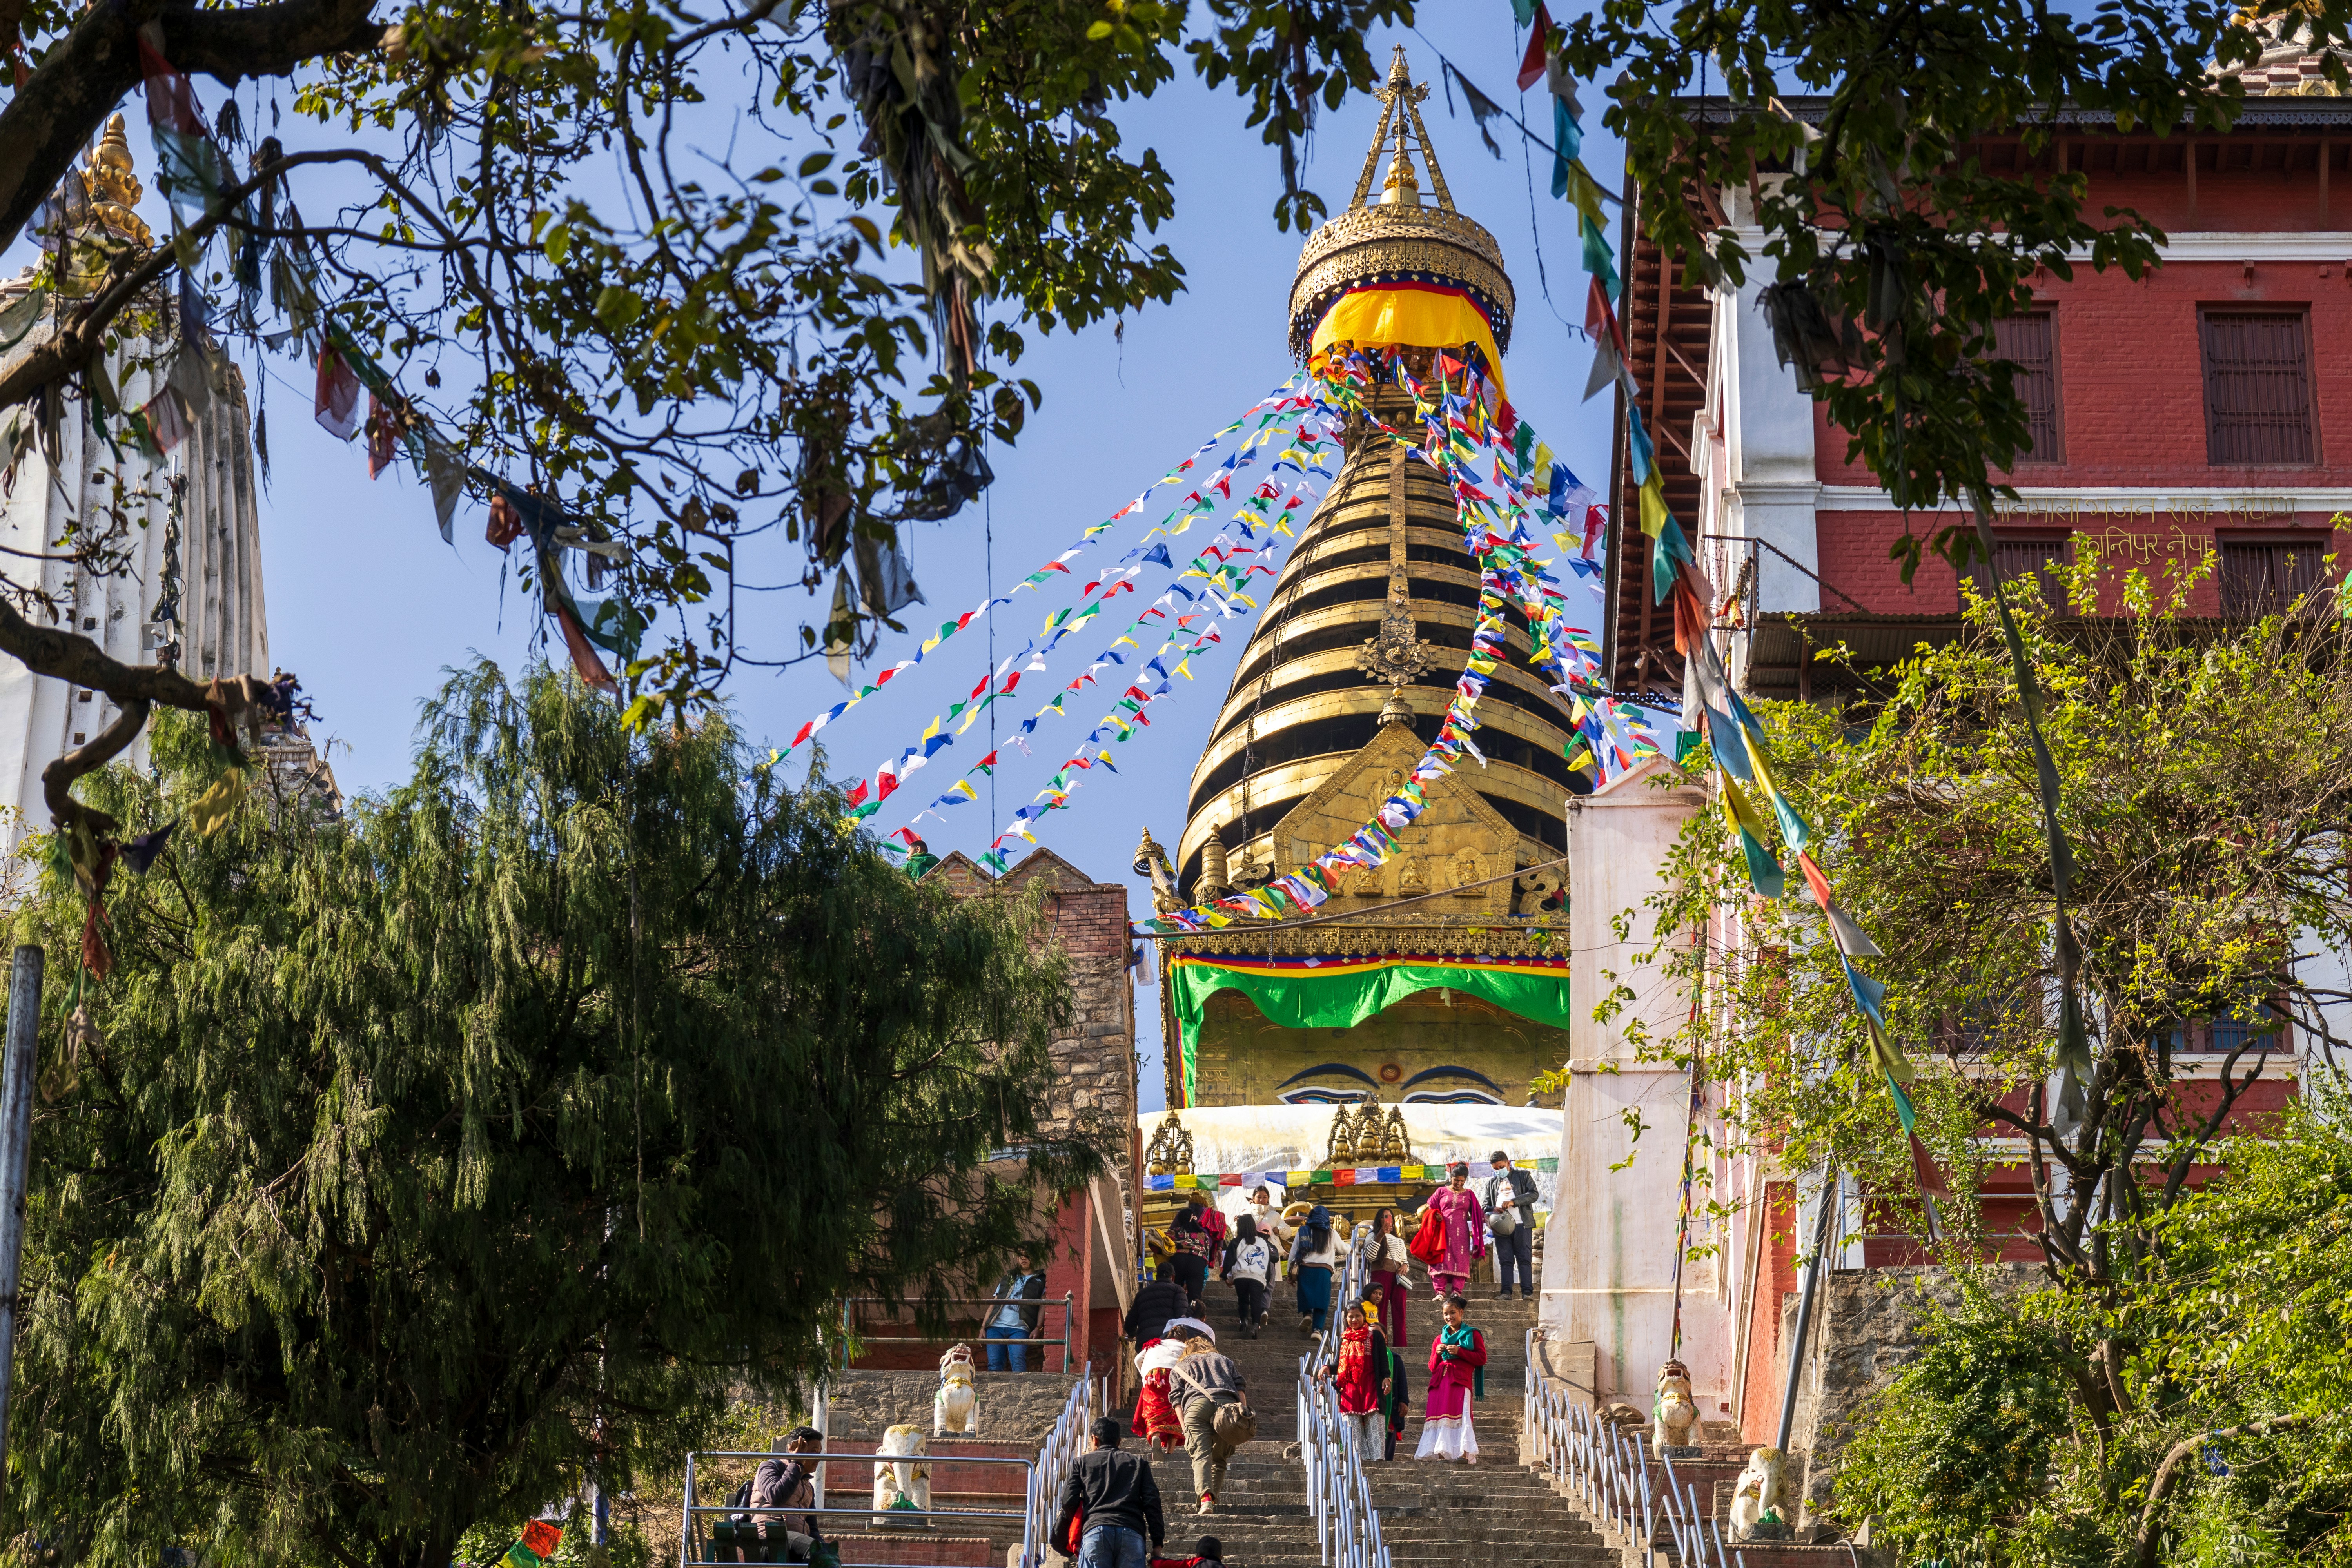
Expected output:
(506, 527)
(338, 395)
(1813, 877)
(1923, 1164)
(540, 1537)
(382, 438)
(583, 653)
(1532, 68)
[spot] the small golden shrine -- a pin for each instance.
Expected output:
(1366, 1135)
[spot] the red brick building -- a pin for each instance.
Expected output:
(2205, 406)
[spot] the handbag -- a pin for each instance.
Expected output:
(1236, 1424)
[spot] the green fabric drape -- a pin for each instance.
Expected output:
(1306, 999)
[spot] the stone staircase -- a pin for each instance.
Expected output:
(1433, 1514)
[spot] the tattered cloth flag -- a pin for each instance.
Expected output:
(338, 402)
(539, 1538)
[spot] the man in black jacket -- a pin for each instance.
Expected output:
(1148, 1314)
(1512, 1192)
(1114, 1494)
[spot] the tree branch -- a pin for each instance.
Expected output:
(69, 350)
(71, 656)
(82, 79)
(2167, 1471)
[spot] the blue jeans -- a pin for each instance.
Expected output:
(998, 1354)
(1109, 1546)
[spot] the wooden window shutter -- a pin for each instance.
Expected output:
(2265, 577)
(2030, 343)
(2257, 388)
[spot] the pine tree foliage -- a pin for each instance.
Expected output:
(428, 1159)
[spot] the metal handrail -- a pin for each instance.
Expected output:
(1069, 1438)
(1064, 1442)
(1607, 1471)
(1347, 1524)
(1068, 1303)
(694, 1551)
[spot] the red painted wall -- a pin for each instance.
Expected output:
(2131, 387)
(1759, 1399)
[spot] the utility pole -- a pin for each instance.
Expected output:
(16, 1067)
(1819, 1260)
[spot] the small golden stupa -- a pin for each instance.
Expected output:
(93, 213)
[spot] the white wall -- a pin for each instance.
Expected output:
(1609, 1254)
(222, 624)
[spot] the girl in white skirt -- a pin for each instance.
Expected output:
(1457, 1374)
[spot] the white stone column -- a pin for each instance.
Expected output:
(1608, 1253)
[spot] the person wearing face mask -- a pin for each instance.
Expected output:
(1511, 1203)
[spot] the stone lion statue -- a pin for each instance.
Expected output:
(956, 1406)
(1675, 1415)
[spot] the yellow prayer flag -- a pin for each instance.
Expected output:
(1653, 505)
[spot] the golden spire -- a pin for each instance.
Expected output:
(1402, 235)
(114, 190)
(1402, 99)
(91, 215)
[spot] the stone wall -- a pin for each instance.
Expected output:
(1096, 1063)
(1867, 1326)
(1015, 1407)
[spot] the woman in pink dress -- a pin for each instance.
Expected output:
(1455, 1208)
(1457, 1363)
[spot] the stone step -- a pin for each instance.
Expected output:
(918, 1549)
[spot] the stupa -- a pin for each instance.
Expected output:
(1336, 694)
(185, 526)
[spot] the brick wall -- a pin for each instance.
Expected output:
(2131, 397)
(1095, 1063)
(1765, 1372)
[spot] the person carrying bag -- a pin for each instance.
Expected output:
(1217, 1416)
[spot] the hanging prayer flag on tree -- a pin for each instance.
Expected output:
(540, 1539)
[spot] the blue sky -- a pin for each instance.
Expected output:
(368, 606)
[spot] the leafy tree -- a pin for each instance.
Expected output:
(637, 258)
(2206, 785)
(1960, 1449)
(2235, 1451)
(418, 1162)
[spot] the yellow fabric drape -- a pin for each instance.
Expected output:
(1420, 317)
